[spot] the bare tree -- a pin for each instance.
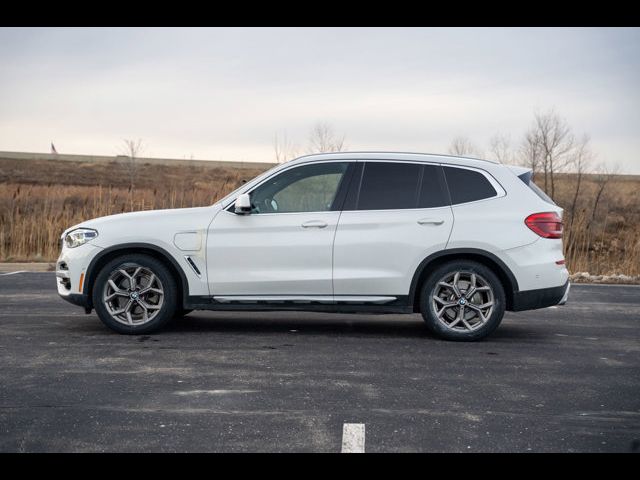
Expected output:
(580, 162)
(132, 150)
(529, 153)
(500, 148)
(323, 139)
(602, 177)
(530, 150)
(556, 143)
(284, 148)
(462, 146)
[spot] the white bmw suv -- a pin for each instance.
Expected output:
(459, 240)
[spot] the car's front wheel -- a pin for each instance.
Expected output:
(462, 300)
(135, 294)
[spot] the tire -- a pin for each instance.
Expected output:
(144, 309)
(482, 311)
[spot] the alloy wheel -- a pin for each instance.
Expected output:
(133, 294)
(463, 301)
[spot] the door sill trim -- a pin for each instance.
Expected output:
(324, 299)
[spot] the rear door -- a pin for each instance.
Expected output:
(395, 215)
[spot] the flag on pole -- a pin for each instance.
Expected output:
(53, 149)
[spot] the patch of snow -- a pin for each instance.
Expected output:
(586, 277)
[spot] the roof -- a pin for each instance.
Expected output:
(380, 155)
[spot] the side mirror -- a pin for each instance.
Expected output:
(243, 204)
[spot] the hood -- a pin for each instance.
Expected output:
(174, 219)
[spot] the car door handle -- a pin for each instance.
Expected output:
(430, 221)
(314, 224)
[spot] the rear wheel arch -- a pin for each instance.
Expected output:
(508, 280)
(154, 251)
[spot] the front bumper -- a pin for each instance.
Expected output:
(71, 268)
(541, 298)
(79, 299)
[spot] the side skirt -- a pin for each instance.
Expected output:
(399, 305)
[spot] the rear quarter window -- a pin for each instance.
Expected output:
(467, 185)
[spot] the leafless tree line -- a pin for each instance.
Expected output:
(322, 139)
(549, 146)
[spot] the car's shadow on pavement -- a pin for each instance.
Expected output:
(376, 325)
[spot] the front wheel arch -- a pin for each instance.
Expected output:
(108, 254)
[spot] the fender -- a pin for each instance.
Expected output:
(128, 248)
(510, 290)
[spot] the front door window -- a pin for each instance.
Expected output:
(310, 188)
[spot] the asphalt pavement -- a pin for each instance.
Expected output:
(561, 379)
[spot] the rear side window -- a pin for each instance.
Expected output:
(388, 186)
(432, 189)
(467, 185)
(395, 185)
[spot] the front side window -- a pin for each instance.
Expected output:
(309, 188)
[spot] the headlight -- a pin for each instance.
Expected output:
(79, 236)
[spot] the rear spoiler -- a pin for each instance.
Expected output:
(523, 173)
(526, 175)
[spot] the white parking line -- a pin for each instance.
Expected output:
(353, 438)
(212, 392)
(13, 273)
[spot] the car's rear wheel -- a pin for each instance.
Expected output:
(462, 300)
(135, 294)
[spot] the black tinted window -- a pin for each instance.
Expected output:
(389, 186)
(432, 191)
(467, 185)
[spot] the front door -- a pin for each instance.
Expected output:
(284, 246)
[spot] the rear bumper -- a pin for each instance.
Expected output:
(541, 298)
(565, 297)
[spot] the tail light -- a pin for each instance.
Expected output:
(547, 224)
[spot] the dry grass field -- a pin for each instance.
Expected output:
(602, 231)
(39, 199)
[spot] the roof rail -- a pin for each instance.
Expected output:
(351, 152)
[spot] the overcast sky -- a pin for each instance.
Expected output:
(224, 93)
